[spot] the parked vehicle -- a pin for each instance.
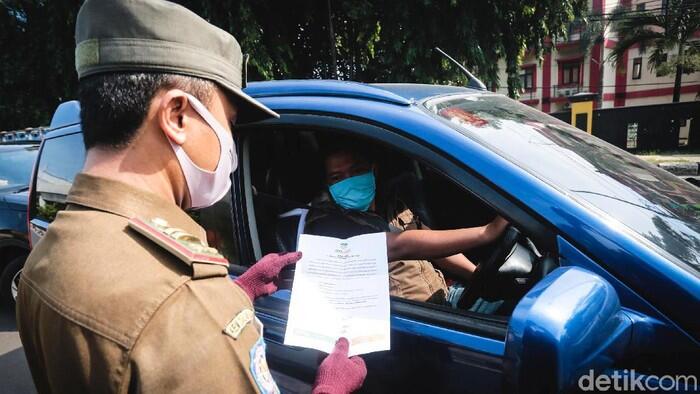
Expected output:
(611, 277)
(28, 135)
(16, 163)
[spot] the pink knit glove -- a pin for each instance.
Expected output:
(260, 279)
(339, 374)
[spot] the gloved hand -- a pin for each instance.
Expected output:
(260, 279)
(339, 374)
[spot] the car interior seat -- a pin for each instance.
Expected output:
(290, 178)
(407, 190)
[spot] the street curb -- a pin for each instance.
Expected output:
(681, 168)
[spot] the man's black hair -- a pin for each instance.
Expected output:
(114, 105)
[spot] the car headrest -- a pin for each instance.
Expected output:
(295, 171)
(406, 189)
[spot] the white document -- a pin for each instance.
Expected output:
(341, 289)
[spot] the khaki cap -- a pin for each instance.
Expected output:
(160, 36)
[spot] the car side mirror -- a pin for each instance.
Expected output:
(569, 323)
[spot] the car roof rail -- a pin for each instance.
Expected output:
(67, 114)
(325, 88)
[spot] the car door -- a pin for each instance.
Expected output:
(433, 348)
(60, 158)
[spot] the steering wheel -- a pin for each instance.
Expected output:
(485, 273)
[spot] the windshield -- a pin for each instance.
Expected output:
(657, 205)
(16, 166)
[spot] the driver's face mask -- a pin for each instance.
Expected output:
(355, 193)
(208, 187)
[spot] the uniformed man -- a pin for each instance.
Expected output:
(414, 251)
(123, 294)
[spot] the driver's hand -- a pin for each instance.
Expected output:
(496, 228)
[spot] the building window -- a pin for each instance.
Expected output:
(570, 73)
(664, 59)
(527, 78)
(641, 6)
(637, 68)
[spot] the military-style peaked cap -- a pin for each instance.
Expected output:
(160, 36)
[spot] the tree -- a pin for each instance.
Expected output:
(531, 24)
(409, 32)
(662, 30)
(36, 62)
(372, 41)
(593, 27)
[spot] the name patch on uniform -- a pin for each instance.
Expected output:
(259, 369)
(238, 323)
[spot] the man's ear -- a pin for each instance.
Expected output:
(171, 115)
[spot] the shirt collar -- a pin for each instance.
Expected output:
(125, 200)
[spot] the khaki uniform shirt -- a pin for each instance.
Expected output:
(101, 308)
(416, 280)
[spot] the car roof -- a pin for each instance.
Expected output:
(16, 147)
(403, 94)
(416, 91)
(394, 93)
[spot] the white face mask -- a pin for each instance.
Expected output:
(208, 187)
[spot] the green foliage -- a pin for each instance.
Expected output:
(690, 63)
(530, 24)
(36, 61)
(374, 41)
(48, 210)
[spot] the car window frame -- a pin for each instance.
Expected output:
(63, 132)
(487, 326)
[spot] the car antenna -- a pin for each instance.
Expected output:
(472, 81)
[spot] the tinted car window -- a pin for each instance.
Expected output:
(61, 159)
(655, 204)
(16, 164)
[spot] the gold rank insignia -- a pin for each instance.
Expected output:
(238, 323)
(185, 246)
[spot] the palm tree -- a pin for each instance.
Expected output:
(593, 26)
(661, 30)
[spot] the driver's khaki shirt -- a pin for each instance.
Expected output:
(102, 308)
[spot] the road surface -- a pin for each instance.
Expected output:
(14, 373)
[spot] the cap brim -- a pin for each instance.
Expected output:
(249, 109)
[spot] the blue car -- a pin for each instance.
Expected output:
(598, 274)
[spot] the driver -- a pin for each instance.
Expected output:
(416, 253)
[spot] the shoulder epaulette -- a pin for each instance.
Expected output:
(185, 246)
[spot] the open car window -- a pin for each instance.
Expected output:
(286, 173)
